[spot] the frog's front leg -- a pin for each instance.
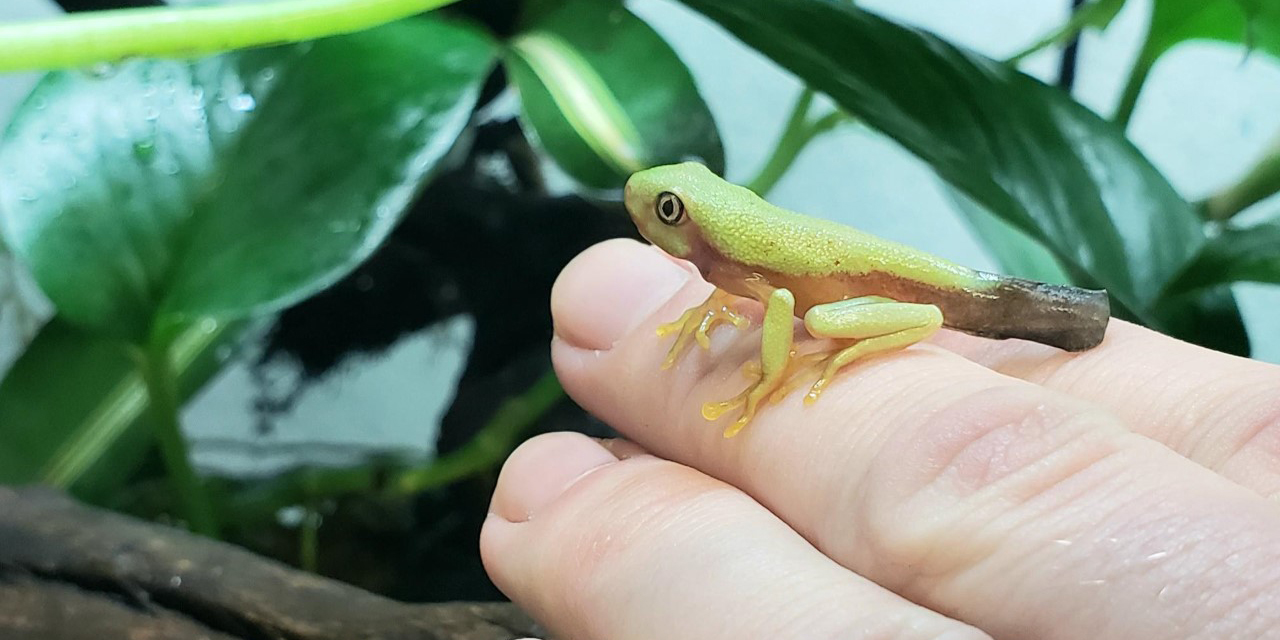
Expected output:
(864, 326)
(775, 355)
(694, 324)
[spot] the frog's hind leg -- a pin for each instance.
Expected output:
(694, 324)
(862, 326)
(775, 358)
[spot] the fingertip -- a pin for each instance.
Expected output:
(536, 474)
(609, 289)
(541, 469)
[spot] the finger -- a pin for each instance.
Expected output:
(1219, 410)
(1020, 510)
(598, 548)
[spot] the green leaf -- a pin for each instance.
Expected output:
(229, 185)
(22, 309)
(1235, 255)
(72, 408)
(1022, 150)
(1252, 23)
(606, 95)
(1016, 252)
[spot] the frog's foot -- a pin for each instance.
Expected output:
(775, 355)
(695, 323)
(750, 400)
(801, 371)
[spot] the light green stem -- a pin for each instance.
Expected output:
(1261, 182)
(1133, 87)
(162, 389)
(797, 133)
(309, 538)
(485, 450)
(1095, 14)
(493, 442)
(84, 39)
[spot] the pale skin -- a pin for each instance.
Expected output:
(862, 294)
(963, 488)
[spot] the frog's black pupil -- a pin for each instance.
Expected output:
(670, 209)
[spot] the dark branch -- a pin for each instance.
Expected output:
(68, 572)
(1070, 55)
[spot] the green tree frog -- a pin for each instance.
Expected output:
(865, 295)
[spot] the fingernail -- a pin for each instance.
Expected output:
(541, 470)
(608, 290)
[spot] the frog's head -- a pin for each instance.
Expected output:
(666, 204)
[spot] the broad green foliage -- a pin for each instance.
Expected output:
(1253, 23)
(1251, 254)
(73, 407)
(219, 186)
(151, 196)
(163, 190)
(1022, 150)
(606, 95)
(1016, 252)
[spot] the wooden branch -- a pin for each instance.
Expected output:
(70, 572)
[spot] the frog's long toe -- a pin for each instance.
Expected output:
(751, 398)
(695, 324)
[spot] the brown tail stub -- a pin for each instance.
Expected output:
(1066, 317)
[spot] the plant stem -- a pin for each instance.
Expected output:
(162, 390)
(1098, 13)
(1260, 183)
(1132, 88)
(487, 448)
(110, 36)
(797, 133)
(786, 149)
(493, 442)
(309, 538)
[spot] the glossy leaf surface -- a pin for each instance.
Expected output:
(234, 184)
(1249, 254)
(606, 95)
(73, 407)
(1022, 150)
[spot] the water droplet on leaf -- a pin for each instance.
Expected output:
(168, 166)
(103, 70)
(243, 102)
(144, 150)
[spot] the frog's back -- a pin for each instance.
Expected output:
(821, 261)
(769, 238)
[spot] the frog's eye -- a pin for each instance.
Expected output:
(670, 208)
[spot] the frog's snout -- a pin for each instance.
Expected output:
(627, 195)
(631, 199)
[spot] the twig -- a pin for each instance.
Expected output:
(796, 134)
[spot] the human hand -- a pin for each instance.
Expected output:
(962, 488)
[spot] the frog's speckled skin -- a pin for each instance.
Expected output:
(740, 242)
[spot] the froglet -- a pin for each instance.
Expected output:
(863, 294)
